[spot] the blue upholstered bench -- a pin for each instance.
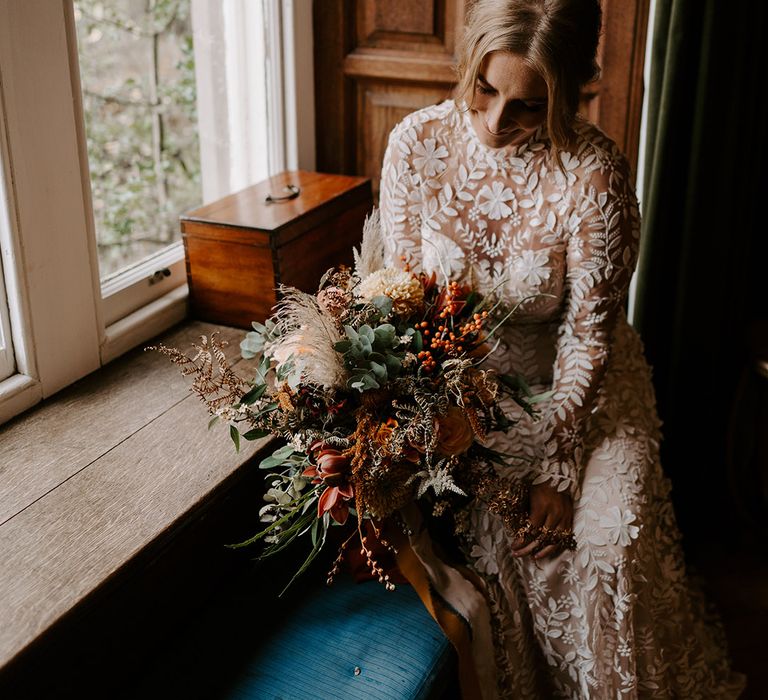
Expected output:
(349, 641)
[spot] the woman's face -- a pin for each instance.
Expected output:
(510, 100)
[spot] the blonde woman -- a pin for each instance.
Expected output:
(506, 188)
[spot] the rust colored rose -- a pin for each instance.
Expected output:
(385, 430)
(454, 433)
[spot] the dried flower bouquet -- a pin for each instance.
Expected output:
(378, 388)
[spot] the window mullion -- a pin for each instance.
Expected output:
(58, 276)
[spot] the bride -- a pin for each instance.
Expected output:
(508, 189)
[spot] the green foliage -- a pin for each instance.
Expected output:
(234, 433)
(253, 343)
(371, 354)
(253, 395)
(280, 457)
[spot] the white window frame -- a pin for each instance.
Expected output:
(64, 322)
(7, 359)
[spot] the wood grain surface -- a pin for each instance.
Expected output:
(96, 475)
(377, 61)
(51, 443)
(249, 209)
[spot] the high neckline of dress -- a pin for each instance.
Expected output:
(538, 136)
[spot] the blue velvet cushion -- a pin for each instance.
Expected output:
(350, 641)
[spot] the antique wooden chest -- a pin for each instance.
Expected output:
(288, 229)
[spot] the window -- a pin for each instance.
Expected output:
(137, 72)
(7, 362)
(69, 309)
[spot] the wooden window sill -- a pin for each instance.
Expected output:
(99, 474)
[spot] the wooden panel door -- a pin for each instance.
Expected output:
(378, 60)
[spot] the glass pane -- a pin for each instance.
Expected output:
(138, 79)
(7, 363)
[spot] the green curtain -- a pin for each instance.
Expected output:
(702, 269)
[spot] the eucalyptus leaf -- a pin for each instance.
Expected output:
(253, 395)
(315, 527)
(252, 345)
(284, 452)
(285, 369)
(255, 434)
(267, 409)
(379, 371)
(262, 370)
(383, 303)
(394, 365)
(365, 331)
(234, 433)
(278, 458)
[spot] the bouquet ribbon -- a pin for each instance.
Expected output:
(454, 597)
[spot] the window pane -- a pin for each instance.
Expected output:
(7, 365)
(7, 362)
(138, 80)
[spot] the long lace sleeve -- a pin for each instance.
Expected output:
(601, 255)
(399, 214)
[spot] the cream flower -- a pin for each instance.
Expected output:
(484, 553)
(405, 291)
(619, 526)
(441, 254)
(429, 157)
(532, 266)
(494, 204)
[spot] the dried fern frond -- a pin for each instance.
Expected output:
(215, 382)
(370, 257)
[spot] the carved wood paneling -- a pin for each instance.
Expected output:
(380, 106)
(406, 25)
(403, 16)
(378, 60)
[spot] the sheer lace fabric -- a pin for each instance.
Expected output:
(617, 617)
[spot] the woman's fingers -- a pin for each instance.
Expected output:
(551, 509)
(528, 549)
(549, 521)
(549, 549)
(519, 545)
(564, 523)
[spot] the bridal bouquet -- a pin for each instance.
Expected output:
(377, 387)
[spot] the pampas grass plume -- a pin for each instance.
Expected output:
(370, 257)
(308, 333)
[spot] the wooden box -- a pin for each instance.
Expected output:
(287, 229)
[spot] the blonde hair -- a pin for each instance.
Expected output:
(557, 38)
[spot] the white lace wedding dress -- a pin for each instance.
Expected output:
(616, 618)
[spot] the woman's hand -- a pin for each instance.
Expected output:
(551, 508)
